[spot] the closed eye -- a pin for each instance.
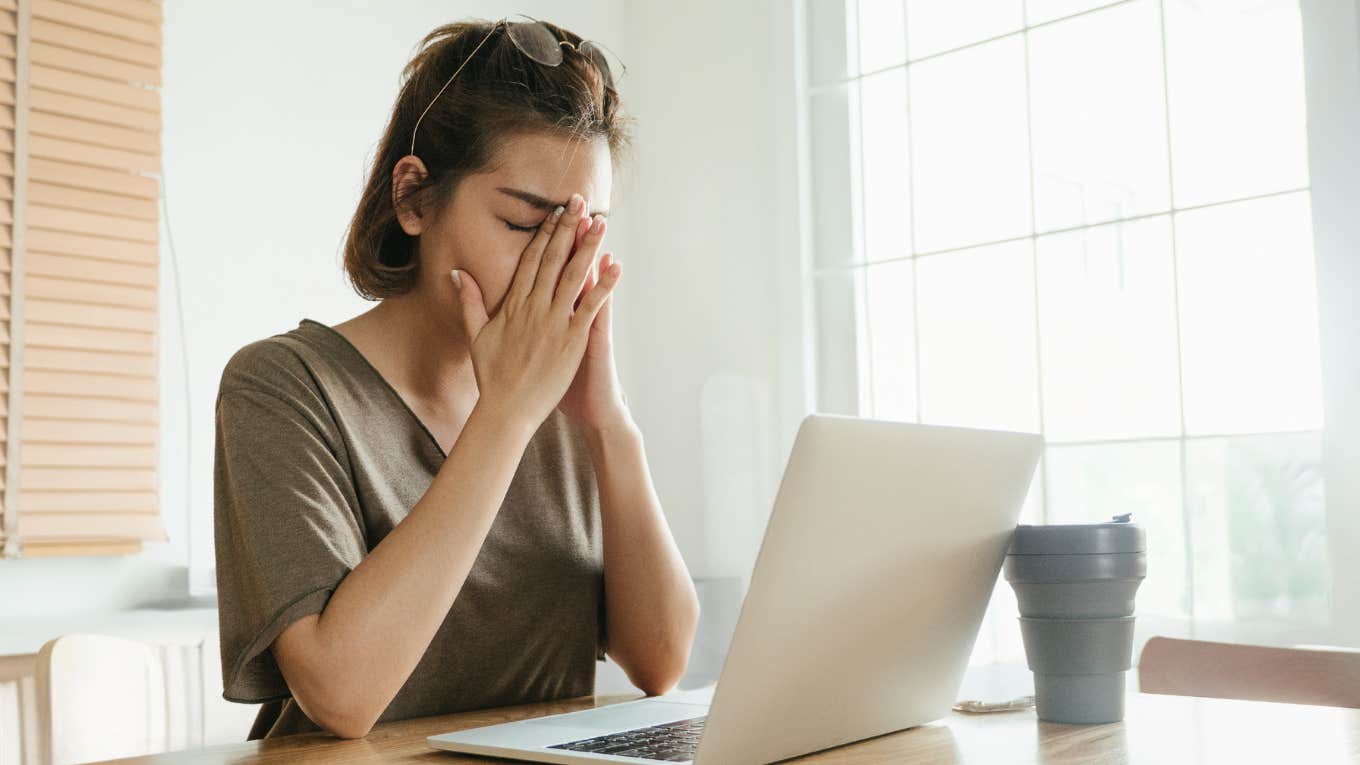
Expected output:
(513, 227)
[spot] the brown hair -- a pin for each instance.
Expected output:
(499, 93)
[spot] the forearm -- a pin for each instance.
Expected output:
(651, 606)
(385, 612)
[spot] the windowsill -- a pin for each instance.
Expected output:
(155, 624)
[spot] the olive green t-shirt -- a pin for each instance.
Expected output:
(317, 458)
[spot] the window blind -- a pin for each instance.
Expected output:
(81, 123)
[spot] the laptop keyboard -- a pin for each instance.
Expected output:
(667, 742)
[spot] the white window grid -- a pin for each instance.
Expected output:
(865, 376)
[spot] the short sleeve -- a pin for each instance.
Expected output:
(602, 642)
(286, 523)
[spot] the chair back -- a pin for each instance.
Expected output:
(99, 697)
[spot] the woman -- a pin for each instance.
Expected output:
(443, 503)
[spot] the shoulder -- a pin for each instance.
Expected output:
(272, 387)
(285, 366)
(262, 364)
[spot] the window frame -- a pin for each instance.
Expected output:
(1331, 48)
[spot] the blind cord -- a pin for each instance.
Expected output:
(188, 390)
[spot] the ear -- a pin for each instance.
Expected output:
(407, 174)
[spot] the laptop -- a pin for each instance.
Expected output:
(877, 563)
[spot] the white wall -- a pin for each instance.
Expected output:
(714, 266)
(271, 111)
(1331, 36)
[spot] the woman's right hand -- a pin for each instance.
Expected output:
(525, 358)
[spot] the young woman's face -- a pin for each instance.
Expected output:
(493, 215)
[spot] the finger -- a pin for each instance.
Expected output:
(523, 282)
(603, 319)
(555, 255)
(592, 278)
(589, 283)
(581, 262)
(470, 301)
(591, 303)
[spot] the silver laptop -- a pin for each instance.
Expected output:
(877, 563)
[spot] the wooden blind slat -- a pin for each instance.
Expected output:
(93, 64)
(57, 526)
(126, 250)
(94, 385)
(89, 269)
(116, 455)
(90, 201)
(65, 336)
(97, 224)
(89, 178)
(141, 364)
(79, 432)
(88, 479)
(43, 100)
(89, 501)
(93, 42)
(97, 21)
(92, 292)
(89, 408)
(95, 88)
(96, 133)
(82, 315)
(39, 548)
(89, 154)
(132, 9)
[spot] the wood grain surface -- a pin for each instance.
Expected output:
(1156, 729)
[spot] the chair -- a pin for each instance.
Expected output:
(1322, 676)
(99, 697)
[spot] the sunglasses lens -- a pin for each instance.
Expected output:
(607, 64)
(536, 42)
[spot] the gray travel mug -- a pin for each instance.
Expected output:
(1075, 585)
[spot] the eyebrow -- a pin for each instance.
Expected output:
(540, 202)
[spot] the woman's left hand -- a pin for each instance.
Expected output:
(594, 400)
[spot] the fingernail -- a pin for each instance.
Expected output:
(457, 278)
(597, 225)
(574, 206)
(558, 212)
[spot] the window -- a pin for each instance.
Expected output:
(1064, 216)
(79, 215)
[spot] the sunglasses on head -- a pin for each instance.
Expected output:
(535, 40)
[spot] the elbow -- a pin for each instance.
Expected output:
(344, 704)
(348, 727)
(325, 705)
(656, 688)
(342, 723)
(661, 676)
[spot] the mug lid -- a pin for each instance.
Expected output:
(1118, 535)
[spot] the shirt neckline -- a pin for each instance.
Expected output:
(345, 341)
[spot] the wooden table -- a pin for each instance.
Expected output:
(1156, 729)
